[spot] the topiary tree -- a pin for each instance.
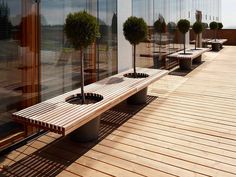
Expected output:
(220, 25)
(160, 27)
(205, 25)
(214, 26)
(81, 30)
(197, 28)
(171, 27)
(183, 26)
(135, 30)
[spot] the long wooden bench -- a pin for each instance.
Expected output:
(217, 44)
(58, 116)
(186, 60)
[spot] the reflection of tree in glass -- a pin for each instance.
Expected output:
(171, 27)
(5, 24)
(114, 24)
(160, 28)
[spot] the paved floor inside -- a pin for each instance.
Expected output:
(187, 129)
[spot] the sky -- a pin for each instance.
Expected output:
(229, 13)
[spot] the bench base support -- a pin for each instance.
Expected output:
(185, 64)
(216, 47)
(138, 98)
(198, 60)
(88, 132)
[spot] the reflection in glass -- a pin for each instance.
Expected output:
(60, 64)
(107, 44)
(172, 11)
(19, 77)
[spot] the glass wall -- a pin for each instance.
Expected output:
(36, 60)
(60, 64)
(211, 10)
(107, 44)
(153, 52)
(18, 62)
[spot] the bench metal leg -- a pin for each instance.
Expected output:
(198, 60)
(138, 98)
(185, 64)
(88, 132)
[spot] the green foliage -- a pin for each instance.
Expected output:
(171, 26)
(197, 27)
(160, 25)
(135, 30)
(205, 25)
(220, 25)
(183, 26)
(213, 25)
(81, 29)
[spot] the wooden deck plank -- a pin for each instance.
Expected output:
(187, 130)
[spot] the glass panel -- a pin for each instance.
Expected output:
(18, 61)
(59, 62)
(153, 52)
(107, 44)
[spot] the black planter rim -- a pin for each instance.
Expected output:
(90, 98)
(138, 75)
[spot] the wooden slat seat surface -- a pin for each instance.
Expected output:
(61, 117)
(195, 54)
(219, 41)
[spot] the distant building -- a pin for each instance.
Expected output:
(37, 62)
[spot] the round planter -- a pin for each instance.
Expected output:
(215, 46)
(158, 61)
(90, 98)
(138, 98)
(89, 131)
(138, 75)
(185, 64)
(198, 60)
(185, 53)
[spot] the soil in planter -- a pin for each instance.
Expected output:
(194, 49)
(90, 98)
(185, 53)
(138, 75)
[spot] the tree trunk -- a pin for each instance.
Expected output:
(184, 43)
(134, 62)
(82, 74)
(159, 60)
(196, 41)
(160, 44)
(215, 35)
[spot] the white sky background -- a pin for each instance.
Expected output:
(229, 13)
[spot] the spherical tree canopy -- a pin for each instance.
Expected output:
(81, 29)
(213, 25)
(220, 25)
(205, 25)
(160, 25)
(183, 26)
(197, 27)
(171, 26)
(135, 30)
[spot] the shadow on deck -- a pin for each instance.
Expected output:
(55, 157)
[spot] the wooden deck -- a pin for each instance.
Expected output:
(187, 129)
